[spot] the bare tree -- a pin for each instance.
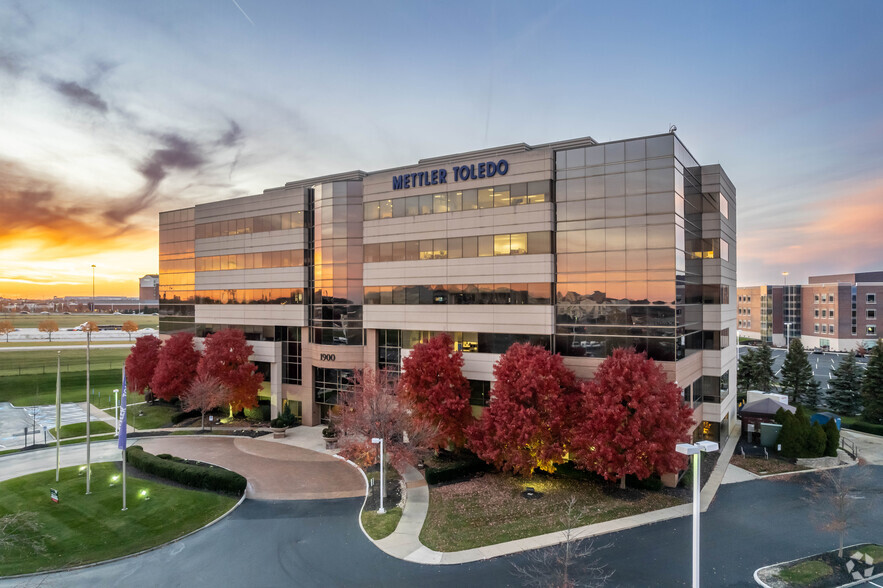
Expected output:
(571, 563)
(836, 499)
(205, 393)
(21, 530)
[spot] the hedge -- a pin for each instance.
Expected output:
(183, 416)
(455, 470)
(196, 476)
(865, 427)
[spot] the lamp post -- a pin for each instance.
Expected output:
(784, 278)
(787, 331)
(88, 328)
(694, 450)
(375, 441)
(93, 287)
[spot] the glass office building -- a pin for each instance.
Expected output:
(576, 246)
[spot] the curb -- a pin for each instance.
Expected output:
(367, 489)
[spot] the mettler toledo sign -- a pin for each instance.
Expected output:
(460, 173)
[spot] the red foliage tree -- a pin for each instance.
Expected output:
(226, 357)
(629, 420)
(370, 408)
(205, 394)
(175, 368)
(526, 424)
(433, 386)
(141, 363)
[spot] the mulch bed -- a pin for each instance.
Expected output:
(393, 490)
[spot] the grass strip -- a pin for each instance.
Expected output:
(146, 416)
(806, 572)
(379, 526)
(81, 529)
(79, 429)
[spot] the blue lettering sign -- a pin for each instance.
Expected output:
(486, 169)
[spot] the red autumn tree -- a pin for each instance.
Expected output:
(629, 420)
(433, 386)
(175, 368)
(141, 363)
(226, 357)
(370, 408)
(526, 423)
(204, 394)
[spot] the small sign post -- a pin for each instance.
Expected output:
(53, 495)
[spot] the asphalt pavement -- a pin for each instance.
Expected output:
(319, 543)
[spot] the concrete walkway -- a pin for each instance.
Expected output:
(736, 474)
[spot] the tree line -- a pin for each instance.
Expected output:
(625, 421)
(851, 391)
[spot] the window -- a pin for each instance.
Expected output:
(815, 328)
(824, 329)
(724, 206)
(830, 329)
(831, 313)
(871, 314)
(872, 298)
(816, 298)
(871, 330)
(830, 298)
(824, 313)
(824, 298)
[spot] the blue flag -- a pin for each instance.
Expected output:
(122, 443)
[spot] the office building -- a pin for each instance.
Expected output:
(576, 246)
(833, 312)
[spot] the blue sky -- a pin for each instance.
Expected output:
(112, 111)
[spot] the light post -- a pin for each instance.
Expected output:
(93, 287)
(787, 331)
(375, 441)
(784, 278)
(694, 450)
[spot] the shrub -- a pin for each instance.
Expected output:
(652, 482)
(195, 476)
(833, 438)
(864, 427)
(329, 432)
(183, 416)
(260, 412)
(284, 420)
(456, 469)
(817, 441)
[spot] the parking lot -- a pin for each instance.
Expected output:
(823, 364)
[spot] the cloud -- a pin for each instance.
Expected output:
(232, 137)
(176, 153)
(80, 96)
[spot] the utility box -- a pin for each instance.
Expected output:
(769, 434)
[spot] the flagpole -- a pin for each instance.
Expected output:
(122, 439)
(88, 413)
(58, 418)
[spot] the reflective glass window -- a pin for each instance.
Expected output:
(470, 246)
(486, 198)
(455, 201)
(426, 204)
(539, 242)
(501, 196)
(501, 244)
(386, 209)
(412, 206)
(518, 194)
(470, 199)
(439, 203)
(485, 246)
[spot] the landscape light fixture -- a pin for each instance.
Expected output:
(694, 450)
(375, 441)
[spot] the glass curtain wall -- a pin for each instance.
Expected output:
(622, 224)
(336, 239)
(176, 271)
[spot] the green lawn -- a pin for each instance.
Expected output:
(79, 429)
(490, 509)
(55, 343)
(82, 529)
(379, 526)
(36, 389)
(67, 321)
(45, 361)
(155, 417)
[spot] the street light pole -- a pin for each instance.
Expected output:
(694, 450)
(93, 287)
(375, 441)
(88, 328)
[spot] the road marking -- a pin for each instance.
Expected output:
(875, 584)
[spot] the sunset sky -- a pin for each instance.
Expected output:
(111, 111)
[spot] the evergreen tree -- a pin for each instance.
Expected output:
(872, 386)
(797, 378)
(846, 383)
(833, 442)
(745, 378)
(764, 377)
